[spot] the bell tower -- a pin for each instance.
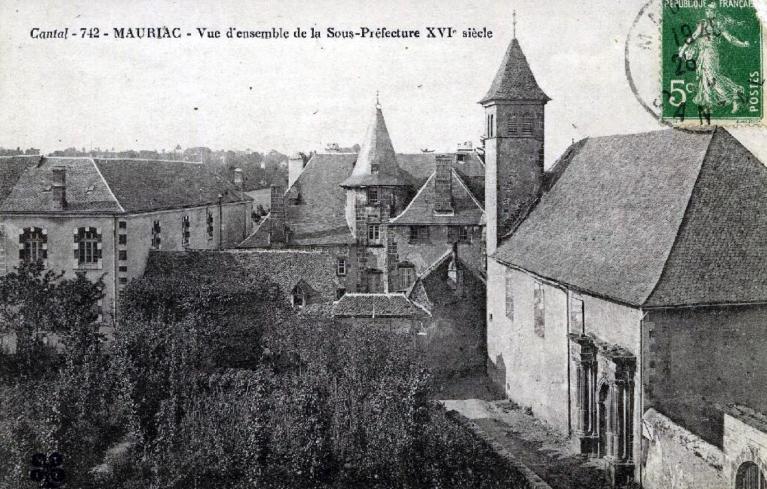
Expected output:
(514, 138)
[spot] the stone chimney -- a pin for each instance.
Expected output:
(59, 188)
(443, 185)
(277, 235)
(295, 167)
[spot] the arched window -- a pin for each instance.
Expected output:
(33, 245)
(749, 477)
(298, 297)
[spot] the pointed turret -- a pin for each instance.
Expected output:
(514, 80)
(377, 163)
(514, 138)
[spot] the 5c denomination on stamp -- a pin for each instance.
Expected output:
(711, 69)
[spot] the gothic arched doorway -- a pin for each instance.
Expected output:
(749, 477)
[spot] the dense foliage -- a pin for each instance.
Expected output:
(163, 404)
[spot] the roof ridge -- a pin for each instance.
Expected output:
(682, 219)
(117, 158)
(415, 197)
(466, 188)
(106, 184)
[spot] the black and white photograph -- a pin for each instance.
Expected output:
(410, 244)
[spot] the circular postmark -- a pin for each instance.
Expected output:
(694, 63)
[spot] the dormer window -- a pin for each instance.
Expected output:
(298, 297)
(374, 168)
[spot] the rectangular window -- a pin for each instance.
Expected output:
(419, 234)
(374, 232)
(539, 312)
(123, 280)
(122, 268)
(406, 277)
(123, 254)
(576, 316)
(341, 266)
(185, 225)
(122, 239)
(34, 245)
(156, 241)
(509, 295)
(209, 222)
(464, 236)
(122, 225)
(373, 196)
(88, 246)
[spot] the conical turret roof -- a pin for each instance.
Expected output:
(376, 163)
(514, 80)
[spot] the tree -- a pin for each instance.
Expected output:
(37, 305)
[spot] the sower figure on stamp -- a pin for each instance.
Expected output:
(714, 88)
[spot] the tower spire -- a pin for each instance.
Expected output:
(378, 102)
(514, 24)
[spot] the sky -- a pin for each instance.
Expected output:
(302, 94)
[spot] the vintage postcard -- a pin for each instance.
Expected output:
(355, 244)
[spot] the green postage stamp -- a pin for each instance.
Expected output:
(711, 62)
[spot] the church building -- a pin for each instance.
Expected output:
(627, 291)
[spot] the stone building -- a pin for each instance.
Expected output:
(626, 292)
(101, 217)
(406, 232)
(387, 216)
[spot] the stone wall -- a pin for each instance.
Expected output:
(674, 458)
(711, 353)
(534, 366)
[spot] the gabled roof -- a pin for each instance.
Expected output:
(117, 186)
(377, 162)
(319, 217)
(377, 306)
(514, 80)
(654, 219)
(315, 270)
(467, 211)
(144, 185)
(86, 189)
(11, 169)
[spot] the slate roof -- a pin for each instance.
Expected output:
(514, 79)
(117, 186)
(655, 219)
(377, 306)
(315, 270)
(467, 211)
(86, 190)
(320, 219)
(11, 169)
(145, 185)
(377, 162)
